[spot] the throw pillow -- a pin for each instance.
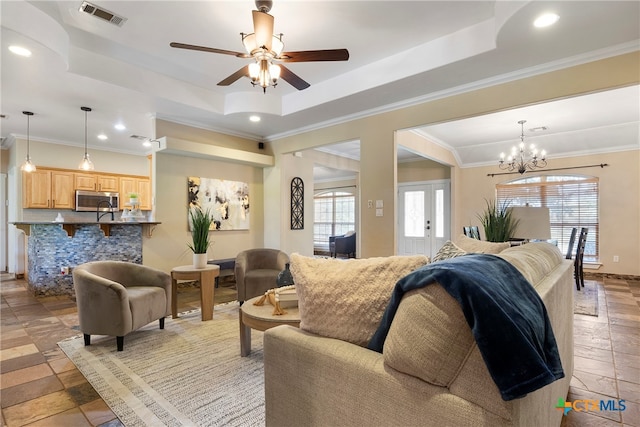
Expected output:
(448, 250)
(345, 299)
(480, 246)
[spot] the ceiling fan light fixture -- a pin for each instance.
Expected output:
(274, 71)
(264, 73)
(254, 71)
(277, 46)
(249, 42)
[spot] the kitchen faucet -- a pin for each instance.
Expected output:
(98, 216)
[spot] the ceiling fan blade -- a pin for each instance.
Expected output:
(244, 71)
(208, 49)
(293, 79)
(315, 55)
(263, 27)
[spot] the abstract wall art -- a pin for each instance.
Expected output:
(227, 201)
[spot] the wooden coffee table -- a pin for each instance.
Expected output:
(260, 317)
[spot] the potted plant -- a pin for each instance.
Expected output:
(499, 225)
(200, 223)
(133, 198)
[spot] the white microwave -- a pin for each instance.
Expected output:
(97, 201)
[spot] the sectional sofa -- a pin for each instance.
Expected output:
(430, 371)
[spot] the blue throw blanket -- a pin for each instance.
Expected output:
(507, 317)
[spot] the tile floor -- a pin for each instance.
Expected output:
(39, 386)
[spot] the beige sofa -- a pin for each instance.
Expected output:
(430, 373)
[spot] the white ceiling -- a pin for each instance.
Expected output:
(400, 53)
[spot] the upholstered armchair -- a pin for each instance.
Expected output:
(257, 270)
(117, 297)
(343, 244)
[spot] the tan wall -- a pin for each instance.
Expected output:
(376, 135)
(422, 171)
(619, 202)
(45, 154)
(188, 133)
(4, 161)
(167, 247)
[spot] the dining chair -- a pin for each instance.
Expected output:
(578, 263)
(572, 242)
(472, 231)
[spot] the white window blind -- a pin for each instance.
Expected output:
(572, 202)
(334, 214)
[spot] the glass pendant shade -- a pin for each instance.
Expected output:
(28, 165)
(86, 164)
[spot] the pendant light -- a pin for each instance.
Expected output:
(86, 163)
(28, 166)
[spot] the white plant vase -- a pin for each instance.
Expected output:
(200, 260)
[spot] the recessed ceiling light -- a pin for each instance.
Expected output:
(545, 20)
(120, 126)
(18, 50)
(254, 118)
(103, 137)
(147, 143)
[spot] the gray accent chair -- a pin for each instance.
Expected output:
(117, 297)
(343, 244)
(257, 271)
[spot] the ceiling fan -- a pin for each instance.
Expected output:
(266, 48)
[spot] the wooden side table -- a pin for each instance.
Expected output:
(206, 276)
(261, 318)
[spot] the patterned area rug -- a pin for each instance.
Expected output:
(189, 374)
(585, 300)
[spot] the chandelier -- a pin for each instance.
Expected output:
(522, 158)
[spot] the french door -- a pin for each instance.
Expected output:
(424, 212)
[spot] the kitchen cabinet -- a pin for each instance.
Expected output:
(139, 185)
(97, 182)
(55, 188)
(48, 189)
(108, 183)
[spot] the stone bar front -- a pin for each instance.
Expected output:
(53, 247)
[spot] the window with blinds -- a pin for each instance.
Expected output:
(334, 214)
(572, 201)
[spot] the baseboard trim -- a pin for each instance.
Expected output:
(592, 275)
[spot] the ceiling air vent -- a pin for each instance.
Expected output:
(142, 138)
(101, 13)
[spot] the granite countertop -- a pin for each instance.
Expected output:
(83, 222)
